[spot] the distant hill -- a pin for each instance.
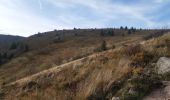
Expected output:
(6, 40)
(7, 44)
(10, 38)
(61, 42)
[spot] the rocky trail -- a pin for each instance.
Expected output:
(160, 94)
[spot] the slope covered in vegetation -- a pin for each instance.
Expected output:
(126, 72)
(46, 50)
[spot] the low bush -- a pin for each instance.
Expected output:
(141, 59)
(140, 84)
(102, 47)
(132, 50)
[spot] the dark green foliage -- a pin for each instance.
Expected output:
(142, 84)
(8, 39)
(102, 33)
(10, 56)
(121, 27)
(59, 38)
(102, 47)
(4, 55)
(13, 46)
(111, 33)
(126, 28)
(107, 32)
(23, 47)
(15, 49)
(0, 59)
(26, 49)
(133, 29)
(129, 32)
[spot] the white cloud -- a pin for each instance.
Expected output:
(17, 17)
(21, 21)
(110, 10)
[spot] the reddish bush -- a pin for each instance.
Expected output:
(133, 50)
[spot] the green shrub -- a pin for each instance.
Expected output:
(142, 84)
(133, 50)
(13, 46)
(102, 47)
(113, 46)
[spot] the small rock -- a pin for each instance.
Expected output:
(115, 98)
(132, 91)
(163, 65)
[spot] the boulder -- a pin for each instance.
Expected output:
(163, 65)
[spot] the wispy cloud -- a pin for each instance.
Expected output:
(110, 11)
(17, 21)
(161, 1)
(40, 4)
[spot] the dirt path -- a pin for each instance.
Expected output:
(160, 94)
(59, 68)
(56, 69)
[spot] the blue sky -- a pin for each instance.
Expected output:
(27, 17)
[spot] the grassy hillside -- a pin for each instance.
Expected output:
(75, 80)
(125, 72)
(98, 76)
(45, 53)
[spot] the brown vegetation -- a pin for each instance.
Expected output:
(70, 74)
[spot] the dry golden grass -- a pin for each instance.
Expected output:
(91, 77)
(81, 79)
(57, 54)
(158, 46)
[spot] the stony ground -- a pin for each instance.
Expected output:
(160, 94)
